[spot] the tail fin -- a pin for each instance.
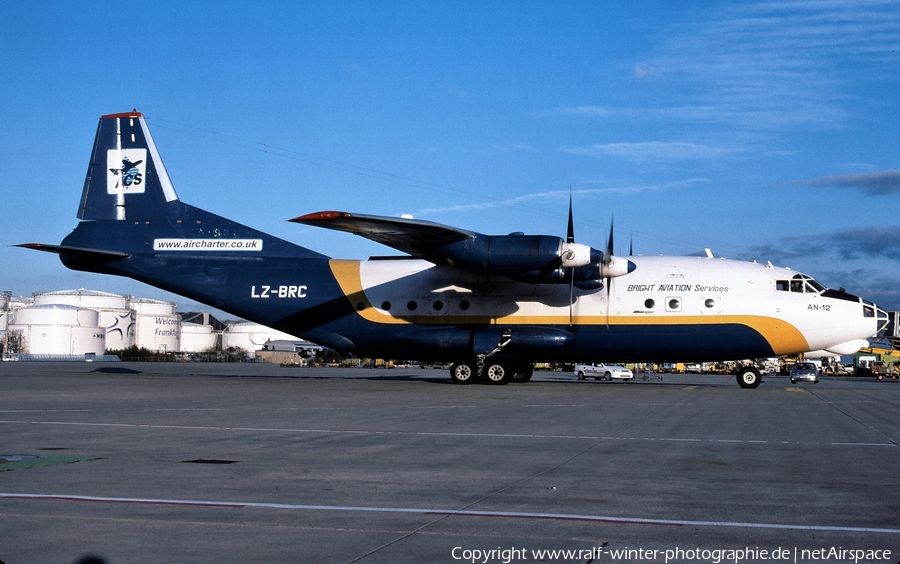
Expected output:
(130, 206)
(126, 175)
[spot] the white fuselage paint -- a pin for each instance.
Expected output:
(664, 290)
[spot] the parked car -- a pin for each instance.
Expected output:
(597, 371)
(804, 372)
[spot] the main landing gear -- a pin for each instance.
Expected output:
(501, 371)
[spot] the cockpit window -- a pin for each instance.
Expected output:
(800, 284)
(816, 286)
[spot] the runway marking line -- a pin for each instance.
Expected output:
(449, 513)
(432, 433)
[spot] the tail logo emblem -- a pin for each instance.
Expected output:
(125, 171)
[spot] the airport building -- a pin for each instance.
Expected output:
(88, 322)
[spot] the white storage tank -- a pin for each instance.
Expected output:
(4, 309)
(197, 338)
(251, 337)
(157, 326)
(59, 329)
(115, 312)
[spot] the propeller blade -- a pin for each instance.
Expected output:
(609, 245)
(570, 238)
(607, 260)
(571, 295)
(608, 287)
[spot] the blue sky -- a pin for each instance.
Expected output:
(764, 131)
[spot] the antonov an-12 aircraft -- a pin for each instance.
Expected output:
(491, 305)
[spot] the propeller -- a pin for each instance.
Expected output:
(576, 255)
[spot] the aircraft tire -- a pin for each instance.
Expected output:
(497, 373)
(749, 377)
(462, 373)
(523, 373)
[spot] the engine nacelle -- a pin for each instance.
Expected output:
(539, 259)
(508, 255)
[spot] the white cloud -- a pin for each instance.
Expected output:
(656, 151)
(561, 196)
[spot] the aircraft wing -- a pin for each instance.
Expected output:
(413, 236)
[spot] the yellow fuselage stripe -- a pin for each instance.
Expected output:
(781, 335)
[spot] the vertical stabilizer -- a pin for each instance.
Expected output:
(126, 178)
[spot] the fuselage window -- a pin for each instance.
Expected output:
(411, 306)
(649, 304)
(386, 306)
(464, 305)
(438, 305)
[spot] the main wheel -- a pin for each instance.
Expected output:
(523, 373)
(462, 372)
(749, 377)
(496, 373)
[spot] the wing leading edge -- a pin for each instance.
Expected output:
(416, 237)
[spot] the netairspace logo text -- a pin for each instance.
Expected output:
(677, 554)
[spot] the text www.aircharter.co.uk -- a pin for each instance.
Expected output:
(207, 244)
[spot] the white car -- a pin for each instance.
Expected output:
(607, 371)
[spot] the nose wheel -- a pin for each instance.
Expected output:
(749, 377)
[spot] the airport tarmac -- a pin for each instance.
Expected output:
(247, 462)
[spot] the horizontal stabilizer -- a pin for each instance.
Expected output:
(77, 253)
